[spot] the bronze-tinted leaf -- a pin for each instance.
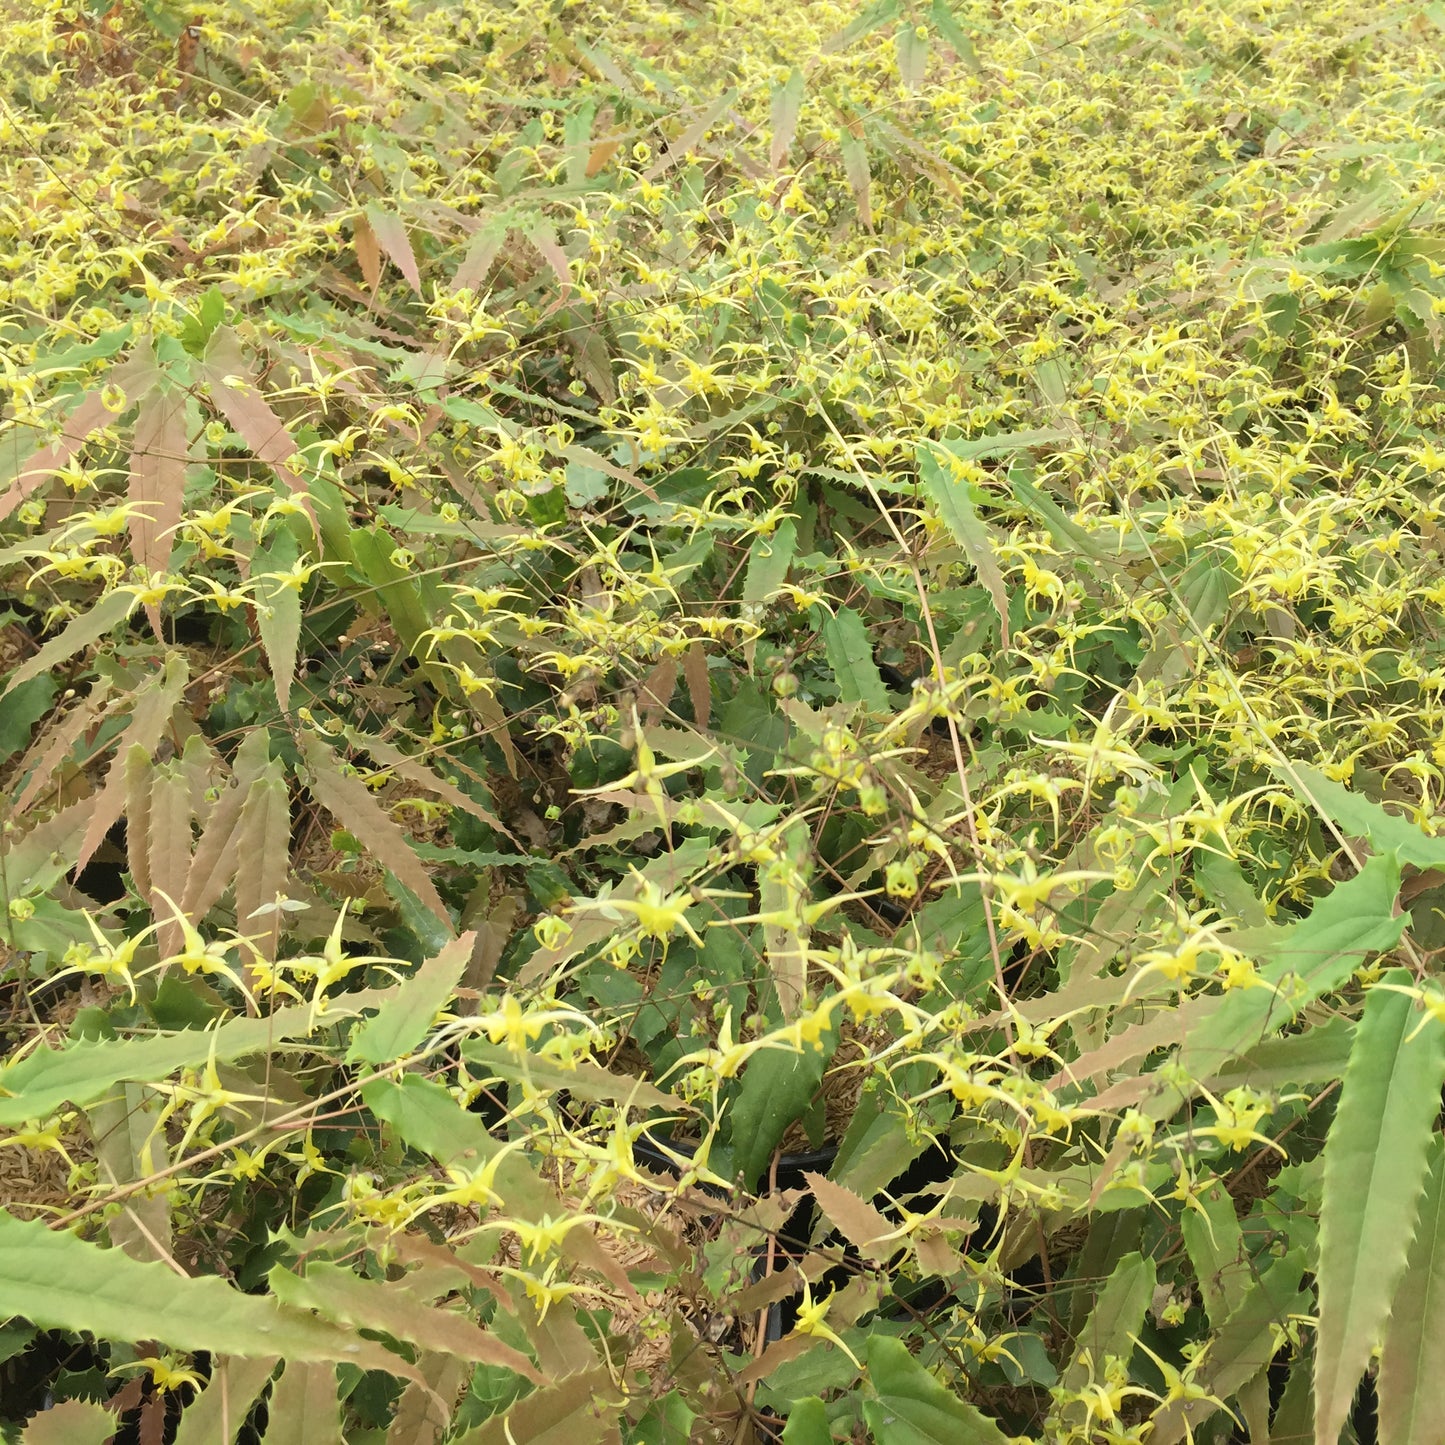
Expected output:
(31, 473)
(368, 251)
(404, 765)
(52, 747)
(656, 691)
(153, 707)
(350, 802)
(391, 234)
(157, 478)
(216, 856)
(168, 853)
(139, 780)
(234, 390)
(263, 857)
(699, 688)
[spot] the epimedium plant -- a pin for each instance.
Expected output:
(721, 722)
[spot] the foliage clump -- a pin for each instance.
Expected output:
(721, 714)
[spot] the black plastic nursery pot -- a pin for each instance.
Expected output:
(791, 1172)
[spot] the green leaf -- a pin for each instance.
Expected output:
(347, 1299)
(912, 1408)
(1377, 1158)
(71, 358)
(1223, 884)
(807, 1423)
(786, 104)
(1411, 1382)
(586, 1081)
(1043, 506)
(850, 655)
(1242, 1348)
(23, 709)
(877, 1146)
(216, 1415)
(373, 549)
(860, 178)
(59, 1282)
(911, 49)
(278, 610)
(953, 32)
(1319, 1055)
(877, 14)
(778, 1086)
(104, 617)
(768, 561)
(1111, 1327)
(37, 1085)
(1002, 444)
(1215, 1245)
(428, 1118)
(567, 1413)
(1204, 591)
(304, 1408)
(1358, 817)
(409, 1011)
(955, 506)
(1300, 963)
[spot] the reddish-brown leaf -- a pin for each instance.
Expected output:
(152, 1425)
(71, 1422)
(368, 252)
(250, 413)
(157, 477)
(203, 769)
(787, 104)
(139, 777)
(424, 1410)
(153, 707)
(544, 238)
(169, 853)
(263, 856)
(348, 800)
(494, 719)
(476, 265)
(216, 858)
(699, 689)
(88, 414)
(51, 748)
(408, 767)
(391, 234)
(605, 146)
(656, 691)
